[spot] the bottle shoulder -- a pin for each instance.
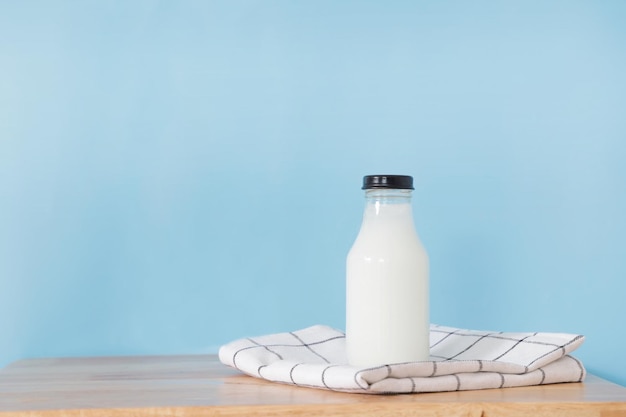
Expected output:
(390, 246)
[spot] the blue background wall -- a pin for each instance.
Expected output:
(174, 175)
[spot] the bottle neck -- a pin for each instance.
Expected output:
(387, 196)
(388, 208)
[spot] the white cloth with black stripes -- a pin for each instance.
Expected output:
(460, 360)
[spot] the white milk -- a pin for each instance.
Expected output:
(387, 285)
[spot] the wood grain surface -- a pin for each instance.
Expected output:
(199, 385)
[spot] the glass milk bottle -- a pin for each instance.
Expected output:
(387, 279)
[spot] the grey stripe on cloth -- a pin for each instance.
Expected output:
(460, 360)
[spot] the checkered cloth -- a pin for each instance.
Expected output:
(460, 360)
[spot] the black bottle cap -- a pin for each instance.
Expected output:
(401, 182)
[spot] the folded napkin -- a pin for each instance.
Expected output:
(460, 360)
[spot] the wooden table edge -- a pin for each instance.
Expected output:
(456, 409)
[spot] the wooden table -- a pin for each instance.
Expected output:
(186, 386)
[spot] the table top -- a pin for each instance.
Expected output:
(198, 385)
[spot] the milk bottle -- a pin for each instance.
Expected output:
(387, 279)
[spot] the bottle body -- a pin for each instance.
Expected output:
(387, 311)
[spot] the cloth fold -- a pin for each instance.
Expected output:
(460, 360)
